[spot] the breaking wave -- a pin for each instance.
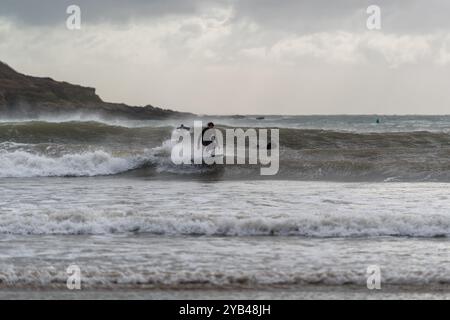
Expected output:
(100, 222)
(31, 149)
(24, 164)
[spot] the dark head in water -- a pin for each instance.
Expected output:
(378, 120)
(210, 125)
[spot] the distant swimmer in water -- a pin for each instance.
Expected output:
(378, 121)
(182, 127)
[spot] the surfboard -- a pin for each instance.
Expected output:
(211, 160)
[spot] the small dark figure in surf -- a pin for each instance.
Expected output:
(182, 127)
(206, 141)
(378, 121)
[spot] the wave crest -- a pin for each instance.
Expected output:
(91, 222)
(25, 164)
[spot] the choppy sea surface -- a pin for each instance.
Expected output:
(104, 195)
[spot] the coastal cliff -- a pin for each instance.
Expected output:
(23, 96)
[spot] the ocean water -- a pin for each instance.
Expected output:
(104, 195)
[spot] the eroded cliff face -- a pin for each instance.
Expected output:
(23, 96)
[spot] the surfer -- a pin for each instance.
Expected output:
(182, 127)
(208, 138)
(208, 134)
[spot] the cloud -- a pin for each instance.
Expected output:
(354, 48)
(306, 16)
(295, 16)
(239, 56)
(403, 49)
(53, 12)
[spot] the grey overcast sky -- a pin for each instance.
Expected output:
(241, 57)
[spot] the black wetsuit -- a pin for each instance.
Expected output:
(205, 142)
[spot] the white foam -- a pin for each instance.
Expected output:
(20, 164)
(140, 262)
(232, 214)
(258, 208)
(18, 160)
(97, 222)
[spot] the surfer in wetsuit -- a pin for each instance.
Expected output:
(182, 127)
(208, 136)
